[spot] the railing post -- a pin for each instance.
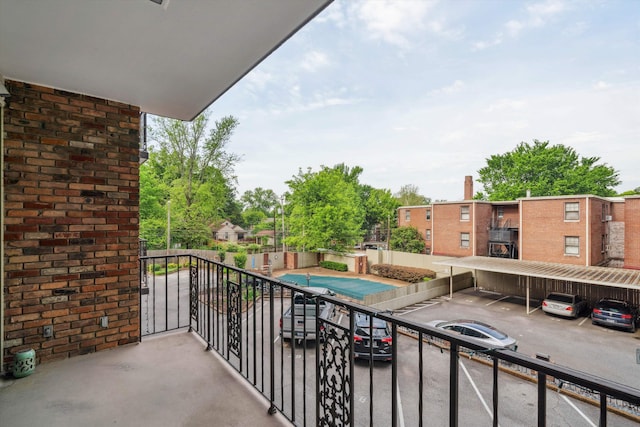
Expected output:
(496, 363)
(208, 287)
(542, 399)
(272, 353)
(542, 393)
(453, 384)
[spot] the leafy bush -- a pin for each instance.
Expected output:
(232, 247)
(406, 274)
(240, 259)
(331, 265)
(253, 248)
(222, 254)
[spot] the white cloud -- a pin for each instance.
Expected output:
(394, 21)
(505, 104)
(257, 79)
(314, 60)
(601, 85)
(455, 87)
(538, 15)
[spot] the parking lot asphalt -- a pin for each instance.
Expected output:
(605, 352)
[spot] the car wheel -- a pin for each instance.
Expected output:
(633, 327)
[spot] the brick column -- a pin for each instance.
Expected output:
(71, 227)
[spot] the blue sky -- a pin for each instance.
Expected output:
(423, 92)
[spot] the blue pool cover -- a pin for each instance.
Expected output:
(354, 288)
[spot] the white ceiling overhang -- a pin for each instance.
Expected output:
(171, 59)
(603, 276)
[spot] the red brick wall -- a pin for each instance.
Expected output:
(71, 222)
(482, 220)
(418, 218)
(632, 233)
(447, 227)
(544, 229)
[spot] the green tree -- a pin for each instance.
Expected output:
(195, 167)
(380, 208)
(544, 170)
(324, 210)
(259, 199)
(407, 239)
(409, 195)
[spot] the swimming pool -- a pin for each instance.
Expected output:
(348, 286)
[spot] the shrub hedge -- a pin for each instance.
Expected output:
(406, 274)
(331, 265)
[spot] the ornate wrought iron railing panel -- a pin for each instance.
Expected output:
(234, 318)
(194, 293)
(335, 377)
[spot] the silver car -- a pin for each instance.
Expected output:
(566, 305)
(478, 331)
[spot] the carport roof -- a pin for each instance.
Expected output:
(605, 276)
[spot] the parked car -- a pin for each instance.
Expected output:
(372, 332)
(611, 312)
(306, 312)
(566, 305)
(478, 331)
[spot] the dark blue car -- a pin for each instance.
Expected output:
(619, 314)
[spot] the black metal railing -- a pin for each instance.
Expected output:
(433, 377)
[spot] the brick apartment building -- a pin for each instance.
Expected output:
(581, 230)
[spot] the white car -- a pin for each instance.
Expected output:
(566, 305)
(480, 332)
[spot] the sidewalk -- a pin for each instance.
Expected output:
(167, 380)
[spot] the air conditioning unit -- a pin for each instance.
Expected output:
(608, 218)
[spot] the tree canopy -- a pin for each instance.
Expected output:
(407, 239)
(190, 166)
(544, 170)
(409, 195)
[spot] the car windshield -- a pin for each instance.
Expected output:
(615, 306)
(561, 298)
(489, 330)
(377, 332)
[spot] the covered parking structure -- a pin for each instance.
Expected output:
(534, 279)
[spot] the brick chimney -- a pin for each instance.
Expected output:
(468, 187)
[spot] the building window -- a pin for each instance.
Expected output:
(572, 211)
(407, 215)
(464, 213)
(428, 214)
(427, 251)
(428, 235)
(500, 211)
(464, 240)
(572, 245)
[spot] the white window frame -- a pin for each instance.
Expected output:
(427, 234)
(428, 215)
(500, 211)
(407, 215)
(465, 243)
(572, 211)
(572, 245)
(465, 214)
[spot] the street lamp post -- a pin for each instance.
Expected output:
(282, 200)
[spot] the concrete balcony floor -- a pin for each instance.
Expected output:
(167, 380)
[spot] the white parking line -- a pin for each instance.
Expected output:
(583, 320)
(495, 301)
(419, 308)
(486, 407)
(578, 411)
